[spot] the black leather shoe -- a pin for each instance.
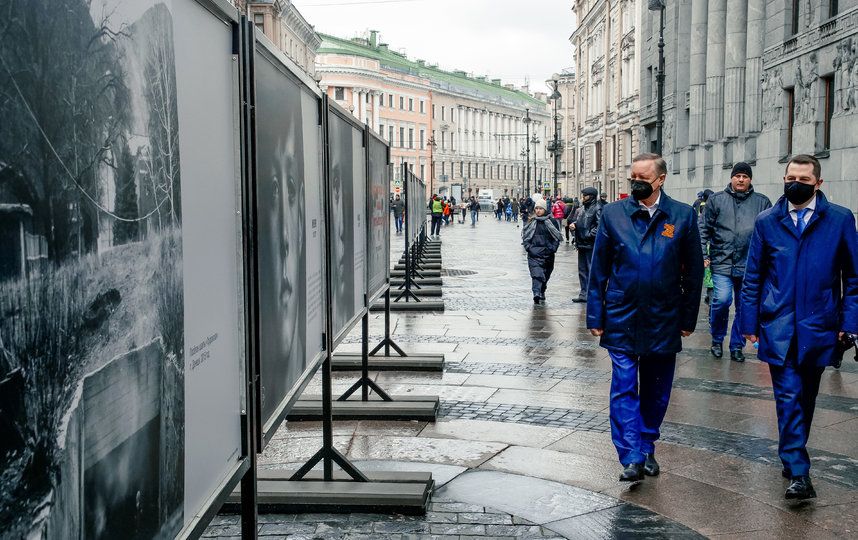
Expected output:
(737, 356)
(536, 300)
(579, 300)
(632, 473)
(651, 467)
(716, 350)
(800, 488)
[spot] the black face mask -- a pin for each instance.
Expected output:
(798, 192)
(641, 190)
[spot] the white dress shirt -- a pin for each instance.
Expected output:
(654, 207)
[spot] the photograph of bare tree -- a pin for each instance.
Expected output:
(91, 282)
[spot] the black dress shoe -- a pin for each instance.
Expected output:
(737, 356)
(579, 300)
(632, 473)
(716, 350)
(536, 300)
(800, 488)
(651, 467)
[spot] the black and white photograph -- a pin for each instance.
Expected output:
(379, 230)
(91, 279)
(341, 193)
(282, 226)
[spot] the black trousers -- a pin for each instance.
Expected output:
(540, 272)
(585, 257)
(436, 225)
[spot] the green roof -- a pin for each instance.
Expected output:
(399, 62)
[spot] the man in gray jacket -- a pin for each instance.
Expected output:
(726, 228)
(586, 226)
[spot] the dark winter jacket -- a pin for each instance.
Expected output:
(539, 241)
(801, 288)
(645, 288)
(726, 227)
(398, 208)
(587, 223)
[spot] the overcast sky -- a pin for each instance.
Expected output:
(513, 40)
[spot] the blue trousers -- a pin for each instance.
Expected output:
(398, 221)
(638, 410)
(473, 217)
(726, 288)
(795, 391)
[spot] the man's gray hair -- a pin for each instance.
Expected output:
(660, 164)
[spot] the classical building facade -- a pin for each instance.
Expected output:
(449, 127)
(762, 80)
(607, 53)
(283, 24)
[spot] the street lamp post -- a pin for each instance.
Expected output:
(658, 5)
(527, 121)
(556, 147)
(431, 144)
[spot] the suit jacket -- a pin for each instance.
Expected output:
(645, 286)
(803, 288)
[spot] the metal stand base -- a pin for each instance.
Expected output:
(385, 492)
(404, 407)
(353, 362)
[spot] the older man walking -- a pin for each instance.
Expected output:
(727, 224)
(643, 297)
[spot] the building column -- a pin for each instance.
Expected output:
(697, 111)
(754, 64)
(734, 73)
(375, 98)
(715, 45)
(356, 103)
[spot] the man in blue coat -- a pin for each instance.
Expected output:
(644, 295)
(799, 296)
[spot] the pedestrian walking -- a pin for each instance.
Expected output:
(464, 207)
(499, 209)
(436, 205)
(526, 208)
(643, 298)
(585, 226)
(728, 221)
(398, 212)
(568, 212)
(557, 211)
(474, 207)
(603, 199)
(541, 238)
(799, 297)
(514, 208)
(446, 213)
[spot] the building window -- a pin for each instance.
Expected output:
(796, 7)
(829, 111)
(452, 142)
(790, 117)
(401, 103)
(452, 116)
(381, 129)
(339, 93)
(443, 141)
(832, 10)
(390, 136)
(422, 105)
(423, 171)
(259, 21)
(442, 112)
(433, 111)
(366, 99)
(598, 156)
(422, 137)
(462, 168)
(411, 138)
(390, 100)
(410, 105)
(484, 170)
(402, 137)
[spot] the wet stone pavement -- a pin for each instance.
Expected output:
(522, 447)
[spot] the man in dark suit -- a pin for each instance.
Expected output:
(800, 296)
(644, 294)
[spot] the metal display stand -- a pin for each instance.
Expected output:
(309, 490)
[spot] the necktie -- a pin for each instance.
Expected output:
(799, 222)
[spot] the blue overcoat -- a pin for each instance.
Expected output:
(645, 287)
(805, 286)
